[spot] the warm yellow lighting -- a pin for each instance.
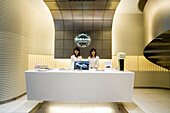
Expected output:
(132, 63)
(103, 110)
(76, 109)
(61, 109)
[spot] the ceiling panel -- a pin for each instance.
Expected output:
(67, 14)
(91, 17)
(88, 5)
(77, 15)
(49, 0)
(78, 25)
(113, 0)
(106, 34)
(107, 25)
(56, 15)
(52, 5)
(112, 5)
(98, 14)
(108, 14)
(98, 25)
(76, 5)
(64, 5)
(87, 25)
(87, 14)
(62, 0)
(100, 0)
(100, 5)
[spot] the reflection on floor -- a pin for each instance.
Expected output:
(144, 101)
(21, 105)
(77, 107)
(150, 101)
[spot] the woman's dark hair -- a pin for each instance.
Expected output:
(76, 48)
(93, 50)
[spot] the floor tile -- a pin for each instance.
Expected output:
(156, 107)
(143, 97)
(160, 97)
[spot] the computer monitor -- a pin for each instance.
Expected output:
(81, 65)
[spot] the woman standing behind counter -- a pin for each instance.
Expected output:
(93, 59)
(75, 57)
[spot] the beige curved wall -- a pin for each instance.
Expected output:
(127, 30)
(41, 28)
(128, 36)
(156, 18)
(21, 21)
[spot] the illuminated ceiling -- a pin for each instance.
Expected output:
(92, 17)
(83, 14)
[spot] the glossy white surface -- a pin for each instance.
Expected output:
(81, 86)
(152, 100)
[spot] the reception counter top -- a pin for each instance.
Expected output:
(79, 86)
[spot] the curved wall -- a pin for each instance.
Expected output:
(156, 17)
(129, 25)
(42, 31)
(21, 21)
(127, 29)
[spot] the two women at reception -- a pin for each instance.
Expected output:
(93, 58)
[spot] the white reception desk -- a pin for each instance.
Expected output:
(80, 86)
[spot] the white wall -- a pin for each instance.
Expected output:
(26, 26)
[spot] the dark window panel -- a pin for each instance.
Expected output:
(58, 44)
(59, 35)
(97, 35)
(68, 25)
(106, 44)
(107, 54)
(58, 25)
(97, 44)
(106, 35)
(99, 53)
(69, 35)
(59, 54)
(68, 44)
(68, 53)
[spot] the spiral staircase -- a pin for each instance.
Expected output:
(158, 50)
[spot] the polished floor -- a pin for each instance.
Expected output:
(150, 101)
(144, 101)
